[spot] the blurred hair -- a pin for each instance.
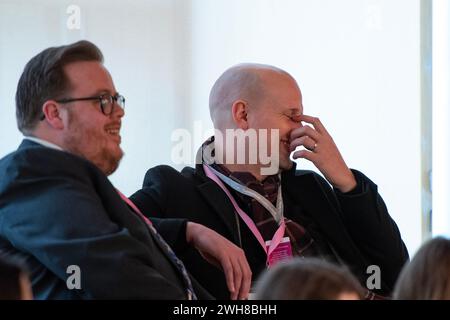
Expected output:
(427, 276)
(306, 279)
(11, 270)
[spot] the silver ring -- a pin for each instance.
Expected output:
(314, 148)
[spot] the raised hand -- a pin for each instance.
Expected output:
(323, 152)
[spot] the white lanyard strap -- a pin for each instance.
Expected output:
(276, 212)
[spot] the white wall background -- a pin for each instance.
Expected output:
(357, 63)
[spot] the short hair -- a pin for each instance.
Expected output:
(306, 279)
(43, 78)
(427, 275)
(10, 272)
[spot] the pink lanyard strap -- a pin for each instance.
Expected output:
(279, 234)
(133, 206)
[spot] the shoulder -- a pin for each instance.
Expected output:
(161, 172)
(32, 160)
(167, 174)
(32, 154)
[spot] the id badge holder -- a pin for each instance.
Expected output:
(281, 253)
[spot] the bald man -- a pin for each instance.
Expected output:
(246, 187)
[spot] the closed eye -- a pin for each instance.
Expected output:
(294, 118)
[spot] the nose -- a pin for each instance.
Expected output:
(119, 112)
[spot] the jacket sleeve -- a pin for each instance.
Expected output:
(368, 222)
(62, 222)
(152, 201)
(173, 232)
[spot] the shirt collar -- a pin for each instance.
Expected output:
(44, 143)
(206, 155)
(249, 180)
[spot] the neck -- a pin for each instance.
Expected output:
(46, 136)
(254, 169)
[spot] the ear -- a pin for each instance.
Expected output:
(52, 113)
(239, 112)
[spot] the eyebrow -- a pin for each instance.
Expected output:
(104, 91)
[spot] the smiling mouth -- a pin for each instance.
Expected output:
(113, 132)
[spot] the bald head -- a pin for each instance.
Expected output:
(249, 82)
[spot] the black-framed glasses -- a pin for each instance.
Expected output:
(107, 102)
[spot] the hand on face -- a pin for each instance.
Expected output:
(323, 152)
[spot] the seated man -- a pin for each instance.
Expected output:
(254, 199)
(60, 213)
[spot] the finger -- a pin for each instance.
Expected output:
(237, 280)
(246, 276)
(308, 155)
(315, 122)
(305, 131)
(229, 275)
(247, 279)
(305, 141)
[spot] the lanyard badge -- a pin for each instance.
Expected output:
(282, 252)
(277, 249)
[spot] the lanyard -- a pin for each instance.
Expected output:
(276, 212)
(170, 254)
(133, 206)
(279, 234)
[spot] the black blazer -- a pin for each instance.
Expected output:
(357, 226)
(57, 210)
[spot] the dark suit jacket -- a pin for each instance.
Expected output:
(57, 210)
(357, 226)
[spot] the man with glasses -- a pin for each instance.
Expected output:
(80, 237)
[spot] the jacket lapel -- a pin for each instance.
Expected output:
(220, 203)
